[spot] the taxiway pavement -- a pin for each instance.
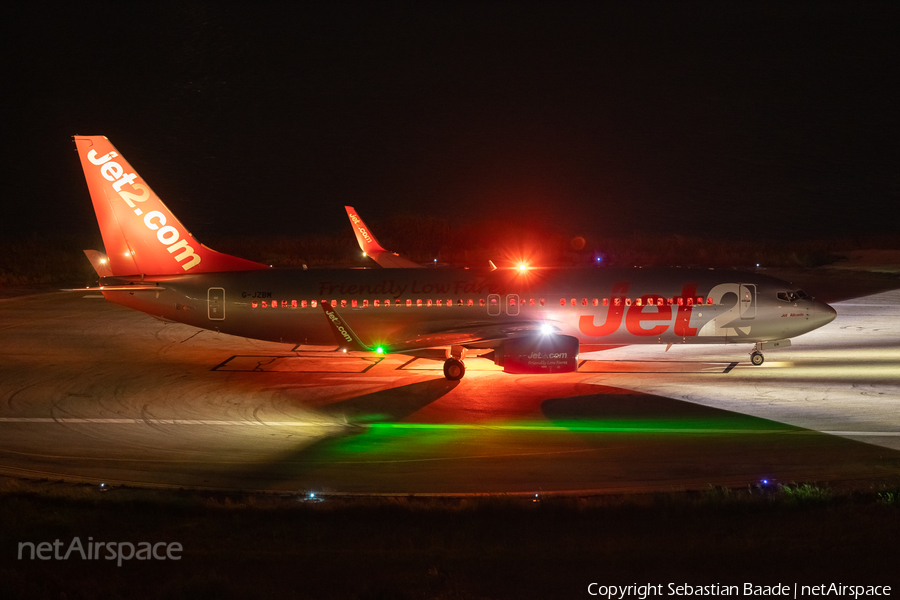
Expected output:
(90, 391)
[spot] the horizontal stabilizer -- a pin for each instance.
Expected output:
(119, 288)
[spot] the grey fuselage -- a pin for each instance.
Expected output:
(597, 306)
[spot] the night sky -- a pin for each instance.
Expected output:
(759, 120)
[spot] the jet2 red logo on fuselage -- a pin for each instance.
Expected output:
(638, 317)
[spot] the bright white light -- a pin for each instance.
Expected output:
(364, 254)
(546, 329)
(523, 267)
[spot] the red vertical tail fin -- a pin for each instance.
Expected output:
(140, 233)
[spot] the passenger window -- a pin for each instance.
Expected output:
(365, 302)
(470, 302)
(409, 301)
(574, 301)
(481, 302)
(700, 301)
(637, 302)
(293, 304)
(659, 301)
(606, 302)
(254, 304)
(595, 302)
(284, 304)
(352, 303)
(531, 302)
(440, 302)
(313, 303)
(343, 303)
(617, 302)
(542, 302)
(387, 302)
(274, 304)
(512, 301)
(681, 302)
(709, 300)
(265, 304)
(562, 301)
(376, 303)
(627, 301)
(428, 302)
(303, 304)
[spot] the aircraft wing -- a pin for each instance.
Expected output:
(371, 247)
(480, 335)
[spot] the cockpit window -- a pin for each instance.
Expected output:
(793, 296)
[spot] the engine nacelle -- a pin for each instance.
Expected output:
(538, 354)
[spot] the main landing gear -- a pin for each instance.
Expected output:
(454, 367)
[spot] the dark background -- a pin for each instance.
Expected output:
(774, 120)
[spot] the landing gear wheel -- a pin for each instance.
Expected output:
(454, 369)
(757, 358)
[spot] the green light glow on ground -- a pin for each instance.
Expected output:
(600, 427)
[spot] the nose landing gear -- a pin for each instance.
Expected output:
(757, 358)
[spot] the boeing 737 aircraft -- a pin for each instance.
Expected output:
(526, 320)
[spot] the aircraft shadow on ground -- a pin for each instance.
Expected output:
(390, 405)
(617, 406)
(384, 406)
(685, 432)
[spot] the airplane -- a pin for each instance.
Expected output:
(528, 320)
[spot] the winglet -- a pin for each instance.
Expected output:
(364, 237)
(370, 246)
(346, 338)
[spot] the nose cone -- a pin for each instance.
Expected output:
(823, 314)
